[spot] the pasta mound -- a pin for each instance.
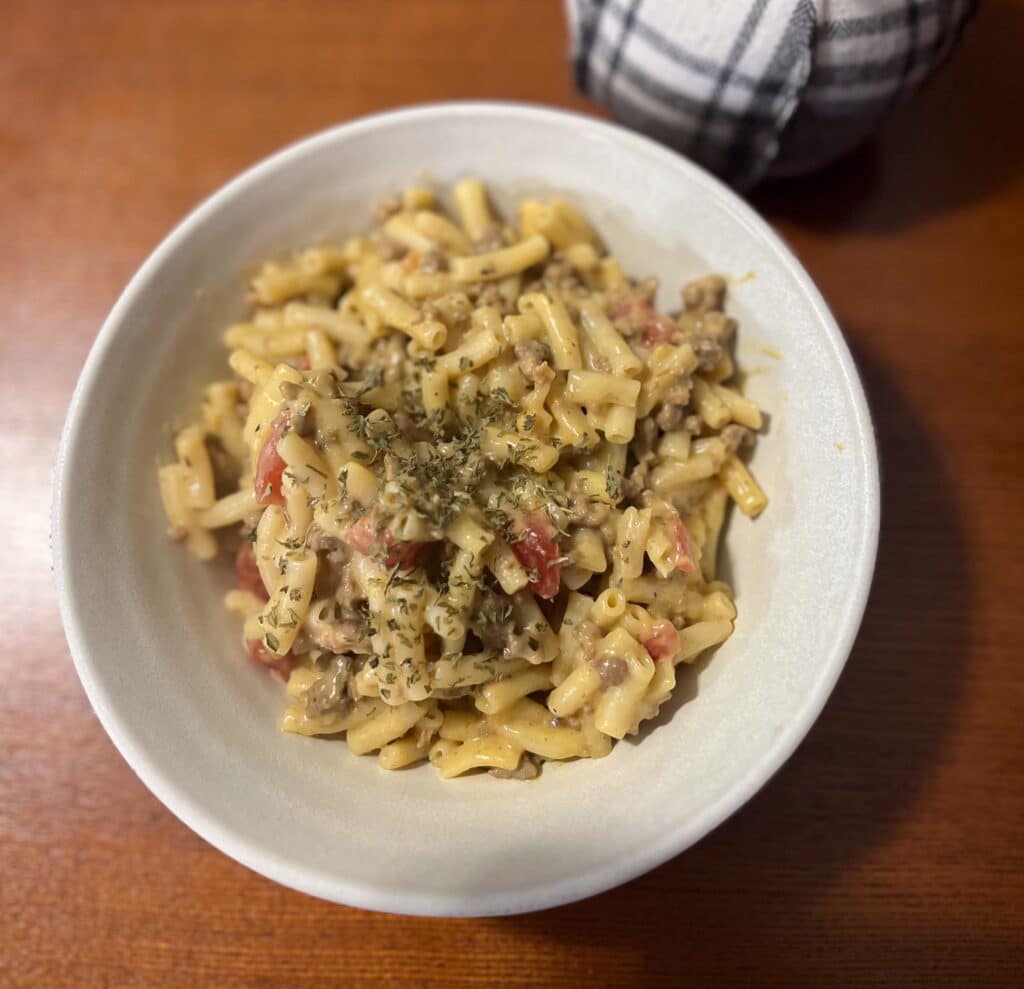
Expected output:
(478, 482)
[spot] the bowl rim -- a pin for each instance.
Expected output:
(276, 866)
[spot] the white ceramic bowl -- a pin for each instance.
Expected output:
(161, 662)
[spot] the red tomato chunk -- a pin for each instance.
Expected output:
(537, 551)
(247, 573)
(270, 465)
(280, 665)
(655, 326)
(686, 557)
(363, 537)
(663, 640)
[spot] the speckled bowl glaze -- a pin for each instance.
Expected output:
(161, 661)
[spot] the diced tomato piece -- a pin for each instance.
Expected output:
(280, 665)
(538, 552)
(644, 318)
(403, 555)
(662, 641)
(270, 465)
(247, 573)
(686, 556)
(363, 537)
(659, 329)
(302, 364)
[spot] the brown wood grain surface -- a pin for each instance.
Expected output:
(887, 852)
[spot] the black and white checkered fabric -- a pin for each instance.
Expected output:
(751, 88)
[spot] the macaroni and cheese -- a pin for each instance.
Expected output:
(478, 482)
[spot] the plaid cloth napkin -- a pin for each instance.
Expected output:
(762, 87)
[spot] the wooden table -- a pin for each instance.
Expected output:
(888, 851)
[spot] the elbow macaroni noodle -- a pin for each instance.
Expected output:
(479, 484)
